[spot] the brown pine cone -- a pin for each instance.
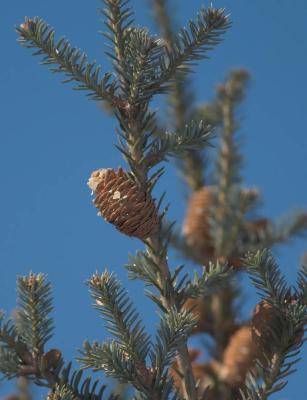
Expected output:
(263, 316)
(196, 227)
(123, 203)
(238, 357)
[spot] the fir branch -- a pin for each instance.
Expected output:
(225, 218)
(141, 266)
(9, 362)
(136, 53)
(285, 345)
(22, 344)
(286, 329)
(119, 16)
(82, 389)
(116, 363)
(181, 100)
(134, 123)
(175, 327)
(193, 136)
(193, 44)
(213, 278)
(266, 277)
(34, 324)
(35, 33)
(110, 358)
(142, 54)
(123, 321)
(12, 349)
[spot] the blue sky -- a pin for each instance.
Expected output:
(52, 138)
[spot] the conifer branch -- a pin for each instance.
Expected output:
(287, 329)
(22, 343)
(122, 320)
(175, 327)
(224, 215)
(266, 277)
(119, 16)
(34, 324)
(112, 359)
(193, 44)
(181, 100)
(212, 279)
(83, 389)
(133, 121)
(193, 136)
(35, 33)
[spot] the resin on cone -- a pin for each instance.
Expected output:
(123, 203)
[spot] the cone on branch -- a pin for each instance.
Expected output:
(238, 358)
(265, 316)
(123, 203)
(197, 229)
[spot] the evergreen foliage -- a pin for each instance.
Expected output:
(286, 331)
(163, 367)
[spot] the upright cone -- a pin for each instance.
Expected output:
(123, 203)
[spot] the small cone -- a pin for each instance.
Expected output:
(238, 357)
(262, 318)
(123, 203)
(52, 359)
(196, 227)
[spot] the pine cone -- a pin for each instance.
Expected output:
(123, 203)
(262, 318)
(238, 357)
(265, 316)
(196, 227)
